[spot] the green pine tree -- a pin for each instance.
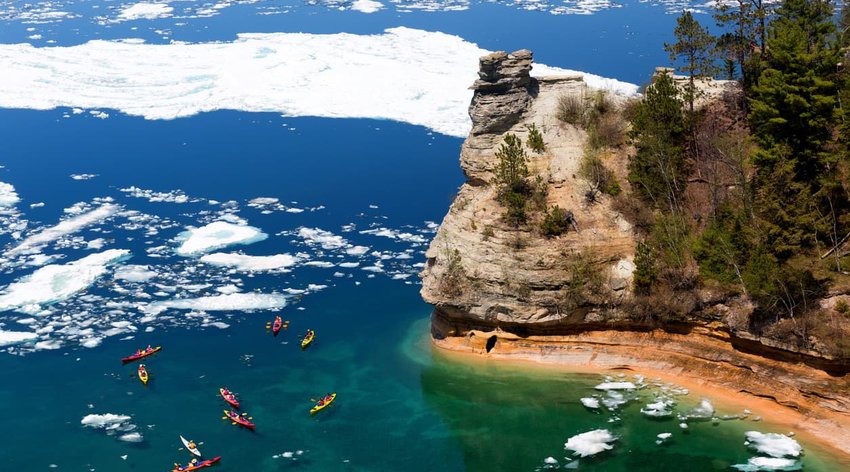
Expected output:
(795, 102)
(658, 168)
(694, 49)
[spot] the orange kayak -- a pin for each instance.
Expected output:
(238, 419)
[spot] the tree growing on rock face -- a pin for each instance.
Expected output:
(512, 169)
(694, 49)
(512, 178)
(658, 169)
(535, 139)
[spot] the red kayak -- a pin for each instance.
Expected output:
(141, 354)
(237, 419)
(197, 465)
(277, 325)
(229, 397)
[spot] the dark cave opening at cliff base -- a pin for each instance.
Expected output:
(491, 343)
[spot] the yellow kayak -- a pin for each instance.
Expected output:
(308, 339)
(143, 374)
(322, 404)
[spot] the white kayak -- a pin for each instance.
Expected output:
(190, 446)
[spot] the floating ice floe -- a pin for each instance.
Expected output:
(83, 176)
(65, 227)
(11, 338)
(228, 302)
(8, 196)
(216, 235)
(174, 196)
(113, 424)
(56, 282)
(703, 411)
(145, 11)
(357, 250)
(246, 263)
(590, 443)
(590, 402)
(134, 273)
(395, 234)
(616, 386)
(773, 444)
(423, 80)
(325, 239)
(661, 408)
(366, 6)
(765, 464)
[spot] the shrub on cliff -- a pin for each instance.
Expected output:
(599, 178)
(556, 222)
(512, 169)
(512, 179)
(535, 139)
(571, 109)
(608, 131)
(455, 276)
(584, 280)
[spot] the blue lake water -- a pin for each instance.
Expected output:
(354, 202)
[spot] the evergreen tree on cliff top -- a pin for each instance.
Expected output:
(794, 104)
(694, 48)
(658, 169)
(792, 113)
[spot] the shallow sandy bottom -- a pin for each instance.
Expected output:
(825, 432)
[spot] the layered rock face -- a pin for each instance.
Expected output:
(505, 291)
(514, 277)
(502, 91)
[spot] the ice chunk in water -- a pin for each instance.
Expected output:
(250, 263)
(8, 196)
(616, 386)
(590, 402)
(233, 301)
(759, 464)
(590, 443)
(216, 235)
(773, 444)
(56, 282)
(9, 338)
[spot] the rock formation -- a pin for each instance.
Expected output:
(513, 276)
(502, 91)
(505, 291)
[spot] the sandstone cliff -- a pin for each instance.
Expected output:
(514, 275)
(506, 291)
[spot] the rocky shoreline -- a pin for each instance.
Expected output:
(505, 299)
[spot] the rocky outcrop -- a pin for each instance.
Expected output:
(515, 276)
(502, 91)
(503, 291)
